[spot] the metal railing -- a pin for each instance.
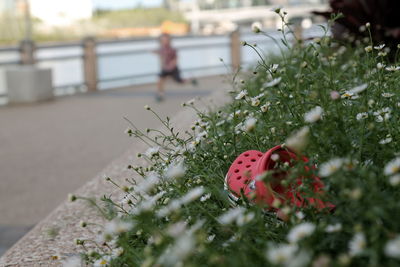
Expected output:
(88, 54)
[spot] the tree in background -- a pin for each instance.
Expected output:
(261, 2)
(171, 4)
(381, 16)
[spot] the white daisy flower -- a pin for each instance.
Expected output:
(394, 180)
(349, 164)
(298, 141)
(382, 53)
(272, 83)
(255, 102)
(392, 68)
(179, 251)
(368, 49)
(242, 219)
(281, 254)
(250, 124)
(300, 215)
(348, 95)
(332, 228)
(387, 95)
(274, 68)
(357, 244)
(300, 231)
(380, 66)
(71, 197)
(116, 252)
(392, 248)
(117, 226)
(385, 141)
(152, 151)
(210, 238)
(256, 27)
(379, 47)
(230, 216)
(147, 203)
(330, 167)
(176, 170)
(383, 114)
(175, 204)
(264, 108)
(242, 94)
(358, 89)
(147, 184)
(220, 123)
(205, 197)
(361, 116)
(202, 135)
(275, 157)
(192, 195)
(103, 261)
(314, 115)
(378, 118)
(176, 229)
(392, 167)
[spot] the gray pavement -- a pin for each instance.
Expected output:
(50, 149)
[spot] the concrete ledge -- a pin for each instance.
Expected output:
(52, 239)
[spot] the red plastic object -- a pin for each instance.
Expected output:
(243, 176)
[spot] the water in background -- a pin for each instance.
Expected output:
(133, 62)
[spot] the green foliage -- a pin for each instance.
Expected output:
(12, 27)
(180, 214)
(381, 17)
(136, 17)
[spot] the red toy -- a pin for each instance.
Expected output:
(244, 175)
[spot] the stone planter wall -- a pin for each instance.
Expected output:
(52, 239)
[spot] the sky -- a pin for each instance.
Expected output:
(118, 4)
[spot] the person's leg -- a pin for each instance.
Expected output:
(176, 75)
(160, 87)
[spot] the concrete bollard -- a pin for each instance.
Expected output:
(27, 84)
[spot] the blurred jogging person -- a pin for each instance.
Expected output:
(169, 65)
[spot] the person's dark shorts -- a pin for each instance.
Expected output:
(175, 74)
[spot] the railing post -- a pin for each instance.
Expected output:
(298, 33)
(235, 50)
(297, 30)
(90, 63)
(27, 52)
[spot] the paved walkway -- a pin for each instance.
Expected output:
(50, 149)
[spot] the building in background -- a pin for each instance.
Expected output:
(6, 6)
(224, 4)
(221, 16)
(50, 12)
(61, 12)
